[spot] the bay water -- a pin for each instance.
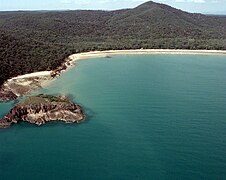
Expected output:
(147, 117)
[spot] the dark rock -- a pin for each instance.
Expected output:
(6, 94)
(41, 109)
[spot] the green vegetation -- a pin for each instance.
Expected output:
(52, 98)
(36, 41)
(42, 99)
(34, 100)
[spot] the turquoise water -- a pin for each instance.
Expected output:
(148, 117)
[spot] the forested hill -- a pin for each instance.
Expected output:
(41, 40)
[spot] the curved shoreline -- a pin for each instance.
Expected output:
(24, 84)
(95, 54)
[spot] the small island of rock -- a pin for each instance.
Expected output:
(43, 108)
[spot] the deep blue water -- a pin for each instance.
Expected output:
(148, 117)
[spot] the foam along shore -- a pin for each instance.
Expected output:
(24, 84)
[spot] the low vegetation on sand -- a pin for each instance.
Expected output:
(43, 108)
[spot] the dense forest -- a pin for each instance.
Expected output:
(41, 40)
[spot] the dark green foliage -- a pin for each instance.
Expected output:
(53, 98)
(43, 99)
(36, 41)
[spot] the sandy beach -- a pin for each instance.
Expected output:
(41, 73)
(24, 84)
(96, 54)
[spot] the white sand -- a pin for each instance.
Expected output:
(36, 74)
(95, 54)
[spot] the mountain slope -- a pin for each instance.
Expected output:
(162, 21)
(40, 40)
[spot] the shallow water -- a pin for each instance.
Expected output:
(148, 117)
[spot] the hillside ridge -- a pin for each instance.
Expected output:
(42, 40)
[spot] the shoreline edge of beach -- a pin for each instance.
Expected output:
(33, 81)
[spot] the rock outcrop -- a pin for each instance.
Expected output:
(22, 85)
(43, 108)
(17, 87)
(6, 94)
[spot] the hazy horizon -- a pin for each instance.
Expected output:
(193, 6)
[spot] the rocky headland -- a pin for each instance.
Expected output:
(17, 87)
(25, 84)
(43, 108)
